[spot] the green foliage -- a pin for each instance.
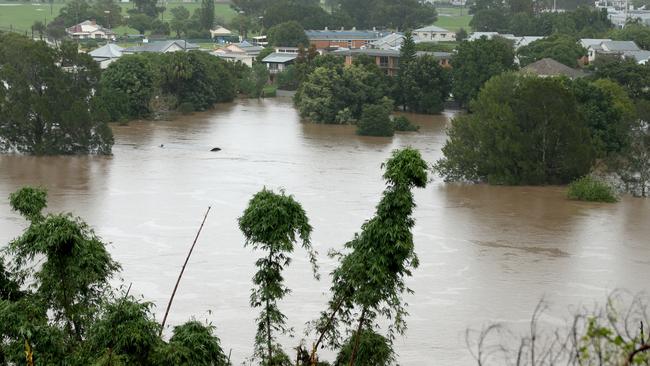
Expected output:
(403, 14)
(273, 223)
(476, 62)
(140, 22)
(375, 121)
(206, 15)
(29, 202)
(192, 344)
(180, 22)
(197, 78)
(126, 331)
(589, 189)
(564, 49)
(636, 32)
(374, 350)
(424, 85)
(288, 34)
(309, 14)
(524, 130)
(371, 273)
(633, 77)
(401, 123)
(47, 109)
(127, 85)
(332, 88)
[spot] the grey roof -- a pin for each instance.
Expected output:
(342, 34)
(389, 53)
(107, 51)
(589, 42)
(248, 47)
(280, 57)
(550, 67)
(161, 46)
(393, 40)
(620, 46)
(639, 56)
(432, 28)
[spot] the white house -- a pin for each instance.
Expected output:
(106, 54)
(277, 62)
(489, 35)
(609, 47)
(162, 47)
(434, 34)
(89, 30)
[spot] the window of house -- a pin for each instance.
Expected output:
(383, 61)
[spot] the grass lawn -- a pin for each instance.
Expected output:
(451, 18)
(20, 16)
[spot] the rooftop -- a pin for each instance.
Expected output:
(161, 46)
(389, 53)
(550, 67)
(280, 57)
(343, 34)
(619, 46)
(107, 51)
(432, 28)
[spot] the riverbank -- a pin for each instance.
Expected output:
(486, 252)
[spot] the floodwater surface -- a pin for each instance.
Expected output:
(486, 253)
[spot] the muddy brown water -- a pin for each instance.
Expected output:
(487, 253)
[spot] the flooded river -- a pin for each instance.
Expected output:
(486, 253)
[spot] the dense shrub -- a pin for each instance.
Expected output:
(591, 189)
(375, 121)
(401, 123)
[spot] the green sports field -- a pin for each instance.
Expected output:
(20, 15)
(453, 19)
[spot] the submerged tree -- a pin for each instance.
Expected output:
(273, 223)
(369, 281)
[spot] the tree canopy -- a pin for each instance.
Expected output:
(564, 49)
(288, 34)
(46, 108)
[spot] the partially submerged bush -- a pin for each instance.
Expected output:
(401, 123)
(375, 121)
(374, 350)
(591, 189)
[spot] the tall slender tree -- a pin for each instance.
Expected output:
(273, 223)
(369, 280)
(206, 16)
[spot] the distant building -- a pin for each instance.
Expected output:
(611, 48)
(328, 39)
(162, 47)
(526, 40)
(220, 34)
(489, 35)
(641, 57)
(433, 33)
(392, 41)
(89, 30)
(244, 47)
(547, 67)
(277, 62)
(388, 60)
(106, 54)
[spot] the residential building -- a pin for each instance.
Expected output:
(277, 62)
(332, 39)
(162, 47)
(526, 40)
(244, 47)
(388, 60)
(220, 34)
(641, 57)
(89, 30)
(234, 57)
(106, 54)
(612, 48)
(547, 67)
(433, 33)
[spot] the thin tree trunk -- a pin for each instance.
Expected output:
(357, 338)
(268, 323)
(180, 275)
(322, 334)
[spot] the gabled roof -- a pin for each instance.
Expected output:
(391, 41)
(526, 40)
(220, 31)
(161, 46)
(108, 51)
(88, 26)
(589, 42)
(389, 53)
(641, 56)
(550, 67)
(432, 28)
(280, 57)
(619, 46)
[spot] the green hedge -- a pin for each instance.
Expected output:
(590, 189)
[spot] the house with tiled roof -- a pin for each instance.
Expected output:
(89, 30)
(547, 67)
